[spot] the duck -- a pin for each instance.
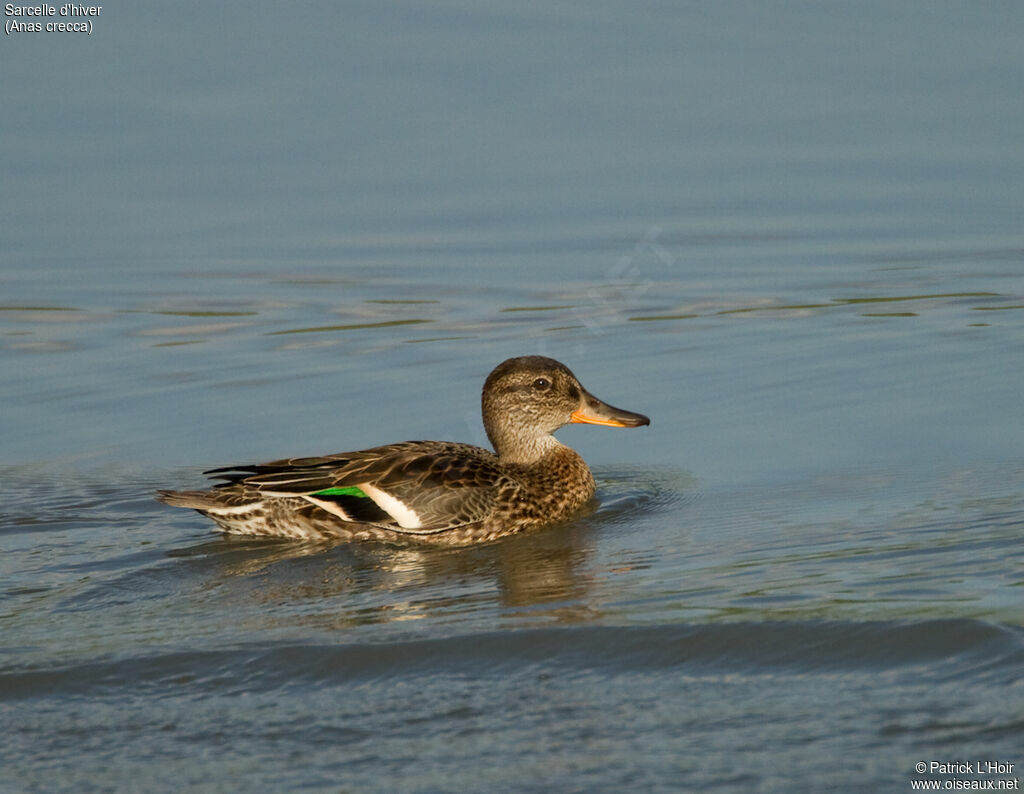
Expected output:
(435, 492)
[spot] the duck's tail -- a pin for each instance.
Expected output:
(197, 500)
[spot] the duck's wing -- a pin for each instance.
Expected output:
(417, 487)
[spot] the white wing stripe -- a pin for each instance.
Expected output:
(403, 515)
(331, 507)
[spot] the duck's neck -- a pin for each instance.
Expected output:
(525, 450)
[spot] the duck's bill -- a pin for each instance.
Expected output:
(594, 412)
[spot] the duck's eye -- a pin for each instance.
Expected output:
(541, 384)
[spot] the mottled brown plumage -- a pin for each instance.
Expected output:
(430, 491)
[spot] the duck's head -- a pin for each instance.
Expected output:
(526, 399)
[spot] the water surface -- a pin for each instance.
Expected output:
(791, 237)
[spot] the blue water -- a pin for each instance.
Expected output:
(791, 235)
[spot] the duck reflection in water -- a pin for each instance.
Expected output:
(541, 574)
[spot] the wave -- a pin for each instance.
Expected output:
(941, 648)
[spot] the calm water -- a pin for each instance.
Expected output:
(790, 235)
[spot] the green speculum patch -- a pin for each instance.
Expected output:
(350, 490)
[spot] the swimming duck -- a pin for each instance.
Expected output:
(434, 491)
